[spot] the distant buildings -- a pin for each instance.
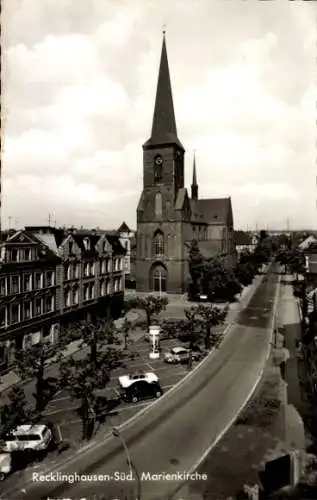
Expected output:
(245, 241)
(167, 218)
(50, 279)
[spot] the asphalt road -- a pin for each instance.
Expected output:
(172, 435)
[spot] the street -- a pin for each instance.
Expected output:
(173, 434)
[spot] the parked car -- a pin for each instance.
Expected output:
(181, 355)
(5, 465)
(127, 380)
(27, 438)
(138, 386)
(140, 390)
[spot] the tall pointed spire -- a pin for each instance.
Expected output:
(194, 185)
(164, 129)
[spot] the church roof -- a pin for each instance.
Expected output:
(164, 131)
(211, 210)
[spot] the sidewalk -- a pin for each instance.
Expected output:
(11, 378)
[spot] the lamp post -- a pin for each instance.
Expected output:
(116, 433)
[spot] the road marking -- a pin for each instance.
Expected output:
(107, 436)
(253, 389)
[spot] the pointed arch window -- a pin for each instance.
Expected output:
(158, 244)
(158, 170)
(158, 205)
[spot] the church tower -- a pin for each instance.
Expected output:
(163, 211)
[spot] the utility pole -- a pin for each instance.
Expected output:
(49, 219)
(10, 222)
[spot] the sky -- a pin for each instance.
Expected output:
(79, 85)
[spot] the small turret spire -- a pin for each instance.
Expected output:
(194, 185)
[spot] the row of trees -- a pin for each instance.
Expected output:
(106, 348)
(221, 280)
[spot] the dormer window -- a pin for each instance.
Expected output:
(70, 247)
(87, 244)
(158, 168)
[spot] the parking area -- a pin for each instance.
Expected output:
(169, 374)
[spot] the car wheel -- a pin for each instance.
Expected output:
(134, 399)
(158, 394)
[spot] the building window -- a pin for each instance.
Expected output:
(103, 288)
(75, 295)
(27, 254)
(15, 313)
(3, 319)
(109, 265)
(69, 272)
(76, 271)
(92, 290)
(86, 242)
(158, 244)
(49, 303)
(38, 307)
(68, 298)
(158, 170)
(14, 255)
(15, 284)
(27, 283)
(3, 287)
(126, 245)
(49, 278)
(158, 205)
(26, 310)
(38, 280)
(86, 292)
(92, 269)
(70, 248)
(109, 288)
(115, 286)
(104, 266)
(159, 279)
(86, 269)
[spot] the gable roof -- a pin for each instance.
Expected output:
(211, 210)
(124, 228)
(115, 243)
(80, 241)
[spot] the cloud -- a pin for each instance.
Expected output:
(80, 82)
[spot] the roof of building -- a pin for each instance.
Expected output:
(242, 238)
(115, 243)
(124, 228)
(164, 129)
(80, 241)
(211, 210)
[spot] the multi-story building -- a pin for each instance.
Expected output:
(49, 279)
(126, 238)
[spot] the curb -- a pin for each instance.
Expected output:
(107, 436)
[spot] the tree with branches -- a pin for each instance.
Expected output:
(219, 281)
(17, 411)
(30, 364)
(151, 305)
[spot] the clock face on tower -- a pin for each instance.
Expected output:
(158, 160)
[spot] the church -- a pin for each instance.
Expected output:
(168, 219)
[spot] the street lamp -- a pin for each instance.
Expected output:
(116, 433)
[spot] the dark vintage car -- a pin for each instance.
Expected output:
(141, 390)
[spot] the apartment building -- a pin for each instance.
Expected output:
(49, 280)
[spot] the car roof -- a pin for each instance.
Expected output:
(29, 429)
(179, 349)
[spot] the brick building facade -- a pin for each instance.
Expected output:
(167, 218)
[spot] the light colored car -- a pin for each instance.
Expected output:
(127, 380)
(27, 437)
(180, 355)
(5, 465)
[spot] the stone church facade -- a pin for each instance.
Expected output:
(167, 218)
